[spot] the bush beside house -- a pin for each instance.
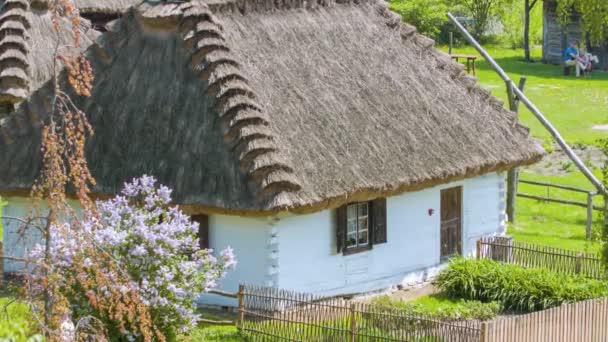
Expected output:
(516, 288)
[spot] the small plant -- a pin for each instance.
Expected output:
(444, 308)
(567, 166)
(516, 288)
(548, 146)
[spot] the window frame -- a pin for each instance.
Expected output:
(358, 247)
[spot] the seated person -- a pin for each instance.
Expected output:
(572, 57)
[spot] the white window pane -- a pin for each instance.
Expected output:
(351, 240)
(351, 211)
(363, 223)
(363, 209)
(363, 237)
(351, 227)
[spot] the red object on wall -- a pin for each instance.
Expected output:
(431, 211)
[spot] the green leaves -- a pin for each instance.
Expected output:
(594, 14)
(516, 288)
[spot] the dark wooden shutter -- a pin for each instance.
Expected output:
(341, 228)
(379, 234)
(203, 230)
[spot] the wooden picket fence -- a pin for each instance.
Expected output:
(578, 322)
(269, 314)
(536, 256)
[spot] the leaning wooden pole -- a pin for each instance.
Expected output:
(524, 99)
(513, 174)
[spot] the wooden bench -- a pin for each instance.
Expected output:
(470, 62)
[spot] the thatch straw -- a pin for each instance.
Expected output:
(14, 80)
(254, 106)
(96, 6)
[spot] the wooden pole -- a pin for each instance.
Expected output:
(451, 42)
(479, 249)
(241, 311)
(513, 174)
(353, 323)
(590, 216)
(539, 115)
(484, 332)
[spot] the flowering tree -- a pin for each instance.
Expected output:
(153, 245)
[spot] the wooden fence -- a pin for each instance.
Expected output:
(588, 204)
(270, 314)
(537, 256)
(578, 322)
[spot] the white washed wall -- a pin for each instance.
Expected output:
(307, 250)
(17, 244)
(252, 243)
(299, 251)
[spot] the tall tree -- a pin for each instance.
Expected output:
(594, 15)
(482, 12)
(528, 7)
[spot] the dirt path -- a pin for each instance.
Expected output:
(558, 163)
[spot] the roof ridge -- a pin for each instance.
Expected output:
(14, 65)
(444, 62)
(244, 122)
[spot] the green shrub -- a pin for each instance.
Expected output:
(516, 288)
(443, 308)
(16, 322)
(429, 16)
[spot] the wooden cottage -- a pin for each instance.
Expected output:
(327, 142)
(557, 37)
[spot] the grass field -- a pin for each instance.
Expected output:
(573, 106)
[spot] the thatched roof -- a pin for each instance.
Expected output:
(253, 106)
(96, 6)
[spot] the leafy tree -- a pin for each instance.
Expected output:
(429, 16)
(482, 11)
(594, 14)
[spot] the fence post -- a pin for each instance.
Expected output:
(479, 249)
(353, 322)
(579, 263)
(590, 216)
(484, 332)
(241, 310)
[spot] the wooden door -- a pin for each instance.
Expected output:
(451, 222)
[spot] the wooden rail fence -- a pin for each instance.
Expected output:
(552, 199)
(578, 322)
(270, 314)
(536, 256)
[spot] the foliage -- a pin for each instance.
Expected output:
(604, 220)
(482, 11)
(154, 265)
(16, 321)
(429, 16)
(513, 21)
(594, 14)
(516, 288)
(444, 308)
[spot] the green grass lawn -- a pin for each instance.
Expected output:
(554, 224)
(573, 106)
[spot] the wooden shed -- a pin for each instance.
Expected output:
(556, 36)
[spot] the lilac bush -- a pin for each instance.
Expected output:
(155, 244)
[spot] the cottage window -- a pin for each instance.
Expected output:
(357, 227)
(360, 226)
